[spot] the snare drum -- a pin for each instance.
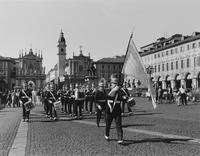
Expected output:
(57, 105)
(28, 105)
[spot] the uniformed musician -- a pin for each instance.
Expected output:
(100, 99)
(52, 97)
(25, 95)
(113, 108)
(91, 97)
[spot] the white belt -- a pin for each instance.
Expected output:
(109, 104)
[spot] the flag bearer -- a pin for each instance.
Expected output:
(24, 96)
(113, 108)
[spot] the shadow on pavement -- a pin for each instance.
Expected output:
(131, 125)
(156, 140)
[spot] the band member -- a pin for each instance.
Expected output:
(70, 95)
(91, 97)
(79, 101)
(113, 108)
(100, 99)
(65, 99)
(45, 100)
(60, 95)
(52, 97)
(87, 91)
(25, 96)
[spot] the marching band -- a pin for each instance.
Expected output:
(73, 101)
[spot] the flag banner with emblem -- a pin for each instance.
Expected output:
(133, 66)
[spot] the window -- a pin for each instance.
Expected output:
(181, 49)
(182, 63)
(102, 66)
(158, 68)
(176, 64)
(194, 45)
(195, 60)
(155, 69)
(163, 54)
(167, 66)
(158, 55)
(166, 53)
(199, 44)
(163, 67)
(114, 67)
(188, 62)
(155, 56)
(108, 66)
(172, 65)
(176, 50)
(188, 47)
(172, 51)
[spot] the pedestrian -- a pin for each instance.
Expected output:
(169, 93)
(91, 97)
(183, 95)
(79, 101)
(25, 97)
(87, 97)
(70, 95)
(113, 109)
(100, 99)
(160, 95)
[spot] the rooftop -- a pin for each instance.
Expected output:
(116, 59)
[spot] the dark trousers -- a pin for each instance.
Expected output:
(184, 99)
(118, 122)
(46, 107)
(123, 107)
(25, 112)
(78, 107)
(86, 103)
(91, 102)
(52, 110)
(64, 105)
(70, 103)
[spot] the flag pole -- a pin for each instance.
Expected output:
(127, 49)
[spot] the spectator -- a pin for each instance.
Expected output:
(183, 95)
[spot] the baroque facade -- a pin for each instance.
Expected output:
(174, 60)
(29, 68)
(72, 70)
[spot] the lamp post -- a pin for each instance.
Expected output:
(150, 70)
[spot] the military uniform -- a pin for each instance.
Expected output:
(52, 97)
(23, 97)
(100, 99)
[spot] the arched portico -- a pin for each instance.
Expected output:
(177, 80)
(188, 80)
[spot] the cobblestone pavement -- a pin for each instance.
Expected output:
(9, 123)
(67, 137)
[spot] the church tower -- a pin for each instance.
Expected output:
(61, 55)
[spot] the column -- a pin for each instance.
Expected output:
(194, 83)
(183, 82)
(172, 84)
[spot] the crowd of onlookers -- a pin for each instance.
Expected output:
(179, 96)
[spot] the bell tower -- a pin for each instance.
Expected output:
(61, 55)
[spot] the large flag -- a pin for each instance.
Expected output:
(133, 66)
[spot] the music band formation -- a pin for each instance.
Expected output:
(88, 98)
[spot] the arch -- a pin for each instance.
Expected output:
(188, 76)
(168, 78)
(177, 80)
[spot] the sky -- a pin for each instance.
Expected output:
(101, 27)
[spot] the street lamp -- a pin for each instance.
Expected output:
(150, 70)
